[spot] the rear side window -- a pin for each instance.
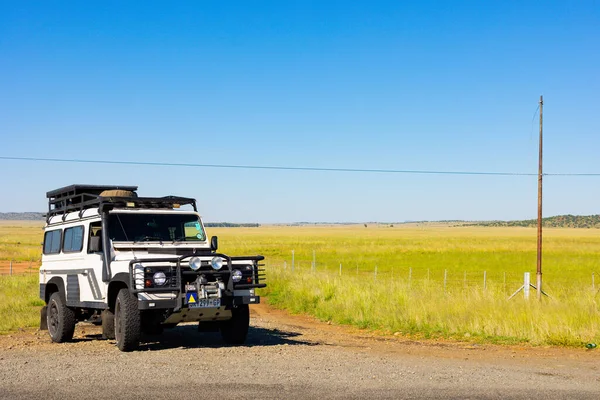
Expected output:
(73, 241)
(52, 242)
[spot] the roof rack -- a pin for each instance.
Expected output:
(81, 197)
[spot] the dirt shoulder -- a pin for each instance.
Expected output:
(288, 356)
(319, 332)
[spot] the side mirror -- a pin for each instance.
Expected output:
(214, 243)
(95, 244)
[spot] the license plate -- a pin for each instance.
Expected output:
(205, 303)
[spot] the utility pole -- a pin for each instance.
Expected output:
(539, 221)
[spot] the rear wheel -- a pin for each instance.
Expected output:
(235, 330)
(60, 319)
(127, 321)
(108, 324)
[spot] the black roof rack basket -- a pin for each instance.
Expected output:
(81, 197)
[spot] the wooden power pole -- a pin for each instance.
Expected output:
(539, 221)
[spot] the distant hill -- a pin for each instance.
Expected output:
(559, 221)
(22, 216)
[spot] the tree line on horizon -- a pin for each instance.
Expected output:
(559, 221)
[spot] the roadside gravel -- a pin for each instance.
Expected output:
(288, 357)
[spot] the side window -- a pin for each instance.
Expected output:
(95, 237)
(52, 242)
(73, 241)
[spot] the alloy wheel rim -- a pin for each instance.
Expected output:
(53, 320)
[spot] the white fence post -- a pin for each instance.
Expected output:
(484, 280)
(526, 283)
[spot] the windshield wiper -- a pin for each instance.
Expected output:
(179, 239)
(149, 238)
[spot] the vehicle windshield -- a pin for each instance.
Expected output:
(139, 227)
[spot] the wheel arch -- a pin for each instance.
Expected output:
(55, 284)
(118, 282)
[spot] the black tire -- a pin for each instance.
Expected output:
(60, 319)
(108, 324)
(235, 330)
(127, 321)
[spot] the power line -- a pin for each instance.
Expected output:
(286, 168)
(268, 167)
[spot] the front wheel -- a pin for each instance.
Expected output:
(127, 321)
(60, 319)
(235, 330)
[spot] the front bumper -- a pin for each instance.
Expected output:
(178, 304)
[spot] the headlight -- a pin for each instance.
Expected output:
(236, 275)
(195, 263)
(159, 278)
(216, 263)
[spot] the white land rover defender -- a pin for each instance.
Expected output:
(138, 265)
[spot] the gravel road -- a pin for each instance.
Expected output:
(288, 357)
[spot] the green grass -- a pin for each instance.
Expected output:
(425, 310)
(19, 302)
(21, 240)
(423, 306)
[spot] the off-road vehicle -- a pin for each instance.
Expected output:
(138, 265)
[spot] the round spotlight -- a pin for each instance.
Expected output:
(159, 278)
(236, 275)
(216, 263)
(195, 263)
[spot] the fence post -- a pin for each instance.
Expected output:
(376, 272)
(427, 274)
(484, 280)
(340, 269)
(526, 283)
(292, 260)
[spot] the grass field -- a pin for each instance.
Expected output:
(408, 294)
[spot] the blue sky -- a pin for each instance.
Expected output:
(426, 85)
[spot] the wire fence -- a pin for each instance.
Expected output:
(13, 267)
(444, 278)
